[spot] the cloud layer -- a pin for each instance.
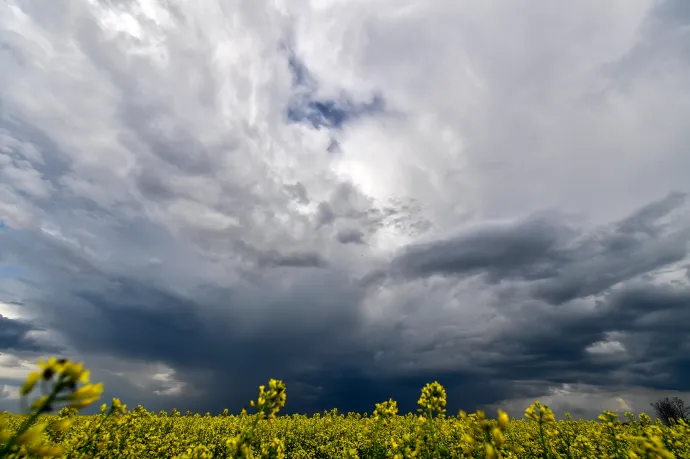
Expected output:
(355, 197)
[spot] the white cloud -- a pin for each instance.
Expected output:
(14, 311)
(606, 348)
(155, 378)
(612, 346)
(9, 393)
(13, 367)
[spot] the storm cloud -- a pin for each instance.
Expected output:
(353, 197)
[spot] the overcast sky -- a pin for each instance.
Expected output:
(355, 196)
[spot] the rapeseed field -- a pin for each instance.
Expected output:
(54, 428)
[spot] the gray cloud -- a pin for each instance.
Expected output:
(527, 250)
(13, 335)
(350, 236)
(513, 224)
(303, 259)
(3, 393)
(564, 263)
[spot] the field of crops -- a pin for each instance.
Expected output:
(118, 433)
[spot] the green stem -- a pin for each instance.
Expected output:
(24, 427)
(615, 442)
(541, 435)
(374, 435)
(433, 432)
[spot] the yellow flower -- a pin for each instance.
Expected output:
(539, 413)
(503, 420)
(48, 451)
(497, 436)
(80, 405)
(433, 399)
(62, 425)
(76, 372)
(39, 402)
(30, 382)
(87, 392)
(32, 437)
(84, 377)
(386, 410)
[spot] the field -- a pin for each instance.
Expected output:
(119, 433)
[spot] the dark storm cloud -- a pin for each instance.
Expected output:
(246, 337)
(529, 249)
(632, 247)
(649, 321)
(656, 319)
(309, 332)
(214, 337)
(13, 335)
(276, 325)
(548, 274)
(563, 263)
(140, 322)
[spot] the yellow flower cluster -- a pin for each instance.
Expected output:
(386, 411)
(62, 377)
(433, 399)
(118, 433)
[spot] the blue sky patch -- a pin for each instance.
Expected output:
(305, 107)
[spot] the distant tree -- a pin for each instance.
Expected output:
(671, 411)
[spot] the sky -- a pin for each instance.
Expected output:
(356, 197)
